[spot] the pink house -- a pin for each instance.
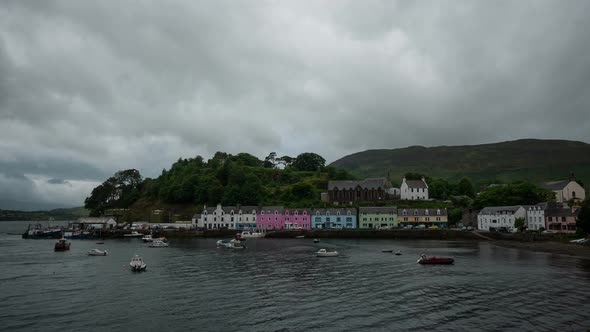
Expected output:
(561, 220)
(297, 219)
(270, 218)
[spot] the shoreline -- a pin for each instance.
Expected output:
(547, 247)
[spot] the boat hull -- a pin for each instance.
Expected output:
(436, 261)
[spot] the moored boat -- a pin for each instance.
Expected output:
(133, 234)
(62, 245)
(325, 253)
(316, 240)
(147, 238)
(300, 236)
(38, 231)
(231, 244)
(158, 244)
(137, 264)
(96, 252)
(425, 260)
(249, 235)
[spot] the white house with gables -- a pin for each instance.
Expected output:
(500, 216)
(414, 189)
(536, 216)
(566, 190)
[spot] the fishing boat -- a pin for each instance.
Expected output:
(96, 252)
(137, 264)
(425, 260)
(158, 244)
(325, 253)
(62, 245)
(39, 231)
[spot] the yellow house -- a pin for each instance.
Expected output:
(427, 217)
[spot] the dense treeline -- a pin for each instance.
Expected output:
(243, 179)
(228, 179)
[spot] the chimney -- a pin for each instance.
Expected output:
(572, 176)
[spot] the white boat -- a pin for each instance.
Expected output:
(325, 253)
(96, 252)
(231, 244)
(250, 235)
(300, 236)
(158, 244)
(133, 234)
(316, 240)
(147, 238)
(137, 264)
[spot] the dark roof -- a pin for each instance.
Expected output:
(556, 185)
(416, 184)
(272, 209)
(333, 211)
(367, 183)
(422, 212)
(561, 212)
(496, 209)
(378, 210)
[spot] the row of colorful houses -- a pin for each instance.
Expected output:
(557, 217)
(279, 218)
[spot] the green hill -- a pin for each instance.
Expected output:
(55, 214)
(527, 159)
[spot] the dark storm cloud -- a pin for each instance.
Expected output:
(91, 87)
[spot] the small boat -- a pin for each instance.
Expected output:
(147, 238)
(133, 234)
(99, 242)
(96, 252)
(250, 235)
(163, 239)
(387, 250)
(300, 236)
(424, 260)
(158, 244)
(137, 264)
(62, 245)
(325, 253)
(398, 253)
(231, 244)
(316, 240)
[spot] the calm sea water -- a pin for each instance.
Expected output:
(279, 285)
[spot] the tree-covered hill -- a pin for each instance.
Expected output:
(528, 159)
(55, 214)
(240, 179)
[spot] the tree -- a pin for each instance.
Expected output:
(118, 191)
(466, 188)
(269, 161)
(285, 160)
(519, 223)
(583, 219)
(513, 194)
(309, 161)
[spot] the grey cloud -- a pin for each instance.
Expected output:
(88, 88)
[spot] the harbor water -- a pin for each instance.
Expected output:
(279, 285)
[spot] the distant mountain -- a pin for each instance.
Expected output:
(55, 214)
(527, 159)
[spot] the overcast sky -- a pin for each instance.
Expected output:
(88, 88)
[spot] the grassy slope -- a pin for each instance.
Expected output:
(534, 160)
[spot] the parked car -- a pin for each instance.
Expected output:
(408, 227)
(469, 228)
(421, 226)
(548, 231)
(433, 227)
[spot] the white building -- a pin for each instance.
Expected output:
(414, 189)
(566, 190)
(228, 217)
(500, 216)
(536, 216)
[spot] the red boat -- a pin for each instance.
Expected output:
(435, 260)
(62, 245)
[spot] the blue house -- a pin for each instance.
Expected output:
(333, 218)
